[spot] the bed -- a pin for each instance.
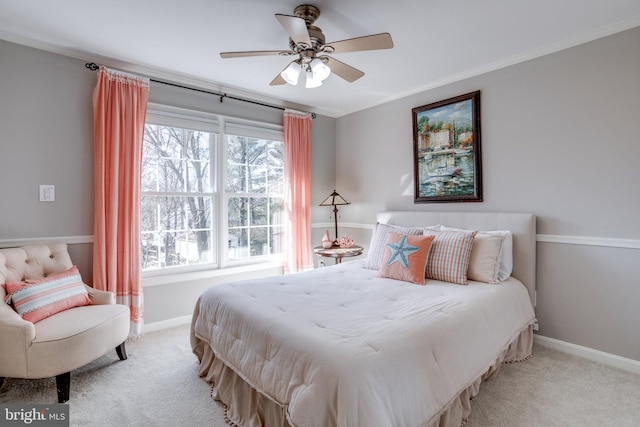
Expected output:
(343, 346)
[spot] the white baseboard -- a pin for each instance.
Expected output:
(589, 353)
(169, 323)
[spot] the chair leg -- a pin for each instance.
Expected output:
(122, 352)
(63, 384)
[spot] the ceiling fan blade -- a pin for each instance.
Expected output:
(278, 81)
(372, 42)
(343, 70)
(295, 27)
(255, 53)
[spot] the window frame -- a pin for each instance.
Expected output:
(221, 126)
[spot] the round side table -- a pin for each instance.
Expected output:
(337, 252)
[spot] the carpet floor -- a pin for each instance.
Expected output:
(158, 385)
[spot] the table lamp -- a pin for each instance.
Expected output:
(334, 200)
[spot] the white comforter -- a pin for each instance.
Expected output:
(340, 346)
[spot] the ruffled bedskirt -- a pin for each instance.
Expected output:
(245, 406)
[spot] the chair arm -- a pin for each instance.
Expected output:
(99, 297)
(16, 336)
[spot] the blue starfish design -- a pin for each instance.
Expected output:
(400, 251)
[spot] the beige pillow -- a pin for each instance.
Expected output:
(484, 263)
(506, 252)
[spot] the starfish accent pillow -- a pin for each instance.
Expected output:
(405, 257)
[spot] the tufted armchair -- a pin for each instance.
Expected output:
(65, 341)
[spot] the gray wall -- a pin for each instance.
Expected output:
(46, 137)
(560, 139)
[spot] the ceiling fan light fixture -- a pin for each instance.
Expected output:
(320, 70)
(291, 74)
(312, 81)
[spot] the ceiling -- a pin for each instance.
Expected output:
(435, 41)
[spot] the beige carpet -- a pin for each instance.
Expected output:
(158, 386)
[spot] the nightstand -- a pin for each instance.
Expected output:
(337, 252)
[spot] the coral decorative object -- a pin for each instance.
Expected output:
(345, 242)
(326, 240)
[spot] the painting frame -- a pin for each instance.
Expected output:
(447, 155)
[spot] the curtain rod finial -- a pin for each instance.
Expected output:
(92, 66)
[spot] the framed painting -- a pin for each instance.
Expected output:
(446, 150)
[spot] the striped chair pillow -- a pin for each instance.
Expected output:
(37, 299)
(449, 255)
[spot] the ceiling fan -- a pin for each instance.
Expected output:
(307, 42)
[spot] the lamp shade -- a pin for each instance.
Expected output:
(334, 199)
(312, 81)
(291, 74)
(320, 70)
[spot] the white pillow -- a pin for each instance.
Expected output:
(505, 267)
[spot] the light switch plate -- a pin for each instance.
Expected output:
(47, 193)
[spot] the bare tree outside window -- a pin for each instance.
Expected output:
(179, 196)
(255, 189)
(177, 199)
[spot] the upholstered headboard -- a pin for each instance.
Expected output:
(521, 225)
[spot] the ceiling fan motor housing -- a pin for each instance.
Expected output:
(308, 12)
(317, 40)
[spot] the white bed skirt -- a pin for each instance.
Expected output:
(247, 407)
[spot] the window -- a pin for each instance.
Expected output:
(193, 173)
(255, 189)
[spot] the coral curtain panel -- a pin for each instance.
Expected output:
(297, 173)
(119, 107)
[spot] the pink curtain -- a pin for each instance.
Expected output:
(297, 173)
(119, 108)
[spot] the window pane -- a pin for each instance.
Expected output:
(276, 211)
(259, 211)
(199, 212)
(149, 217)
(198, 176)
(236, 178)
(198, 145)
(276, 154)
(238, 212)
(238, 247)
(256, 151)
(276, 181)
(170, 174)
(259, 244)
(276, 238)
(200, 248)
(149, 174)
(150, 250)
(236, 149)
(257, 179)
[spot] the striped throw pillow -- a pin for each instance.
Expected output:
(379, 242)
(449, 255)
(37, 299)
